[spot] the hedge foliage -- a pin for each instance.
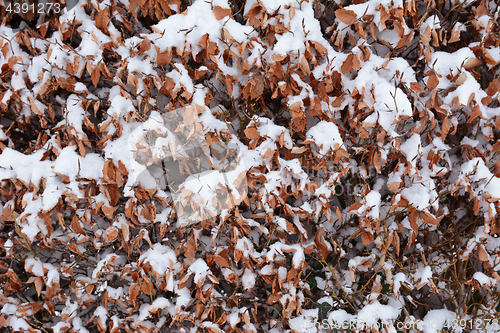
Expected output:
(369, 132)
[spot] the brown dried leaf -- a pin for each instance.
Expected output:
(252, 133)
(359, 29)
(428, 218)
(346, 16)
(396, 243)
(108, 211)
(95, 75)
(164, 57)
(269, 153)
(476, 112)
(493, 88)
(426, 37)
(461, 79)
(221, 12)
(76, 225)
(133, 292)
(102, 20)
(414, 221)
(65, 179)
(376, 162)
(416, 87)
(144, 46)
(497, 168)
(318, 47)
(433, 81)
(33, 107)
(471, 63)
(5, 49)
(393, 187)
(348, 64)
(38, 285)
(111, 234)
(304, 65)
(455, 34)
(221, 261)
(321, 245)
(366, 237)
(482, 254)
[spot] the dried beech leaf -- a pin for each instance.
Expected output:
(428, 218)
(33, 106)
(102, 20)
(455, 34)
(38, 285)
(76, 225)
(346, 16)
(416, 87)
(471, 63)
(366, 237)
(414, 221)
(221, 12)
(252, 133)
(475, 112)
(482, 254)
(269, 153)
(393, 187)
(432, 81)
(111, 234)
(95, 75)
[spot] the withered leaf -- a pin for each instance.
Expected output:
(252, 133)
(76, 225)
(366, 237)
(95, 75)
(102, 20)
(33, 106)
(221, 12)
(347, 16)
(432, 81)
(482, 254)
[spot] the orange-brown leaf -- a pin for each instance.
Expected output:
(455, 35)
(348, 64)
(366, 237)
(414, 221)
(416, 87)
(76, 225)
(476, 112)
(433, 81)
(428, 218)
(269, 153)
(252, 133)
(338, 213)
(482, 254)
(95, 75)
(164, 57)
(102, 20)
(393, 187)
(111, 234)
(145, 46)
(38, 285)
(346, 16)
(221, 12)
(376, 162)
(33, 106)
